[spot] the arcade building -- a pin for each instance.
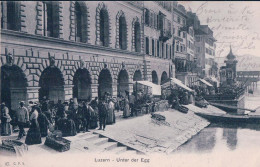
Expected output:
(76, 49)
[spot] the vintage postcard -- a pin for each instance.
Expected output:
(130, 83)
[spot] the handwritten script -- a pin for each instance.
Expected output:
(231, 23)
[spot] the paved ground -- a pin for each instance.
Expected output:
(140, 133)
(149, 136)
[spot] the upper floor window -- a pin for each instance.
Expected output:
(184, 35)
(48, 19)
(158, 49)
(147, 45)
(147, 16)
(137, 35)
(179, 32)
(122, 33)
(10, 15)
(177, 48)
(179, 19)
(104, 27)
(78, 22)
(153, 47)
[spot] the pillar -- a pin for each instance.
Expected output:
(67, 92)
(94, 90)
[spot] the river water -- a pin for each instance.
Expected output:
(224, 138)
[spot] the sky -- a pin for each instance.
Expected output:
(236, 23)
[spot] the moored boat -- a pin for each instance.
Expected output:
(230, 118)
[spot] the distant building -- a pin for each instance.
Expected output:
(228, 73)
(184, 46)
(205, 47)
(158, 41)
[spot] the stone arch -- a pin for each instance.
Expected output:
(51, 84)
(105, 81)
(136, 35)
(13, 85)
(121, 28)
(102, 7)
(82, 84)
(122, 82)
(164, 77)
(85, 21)
(154, 77)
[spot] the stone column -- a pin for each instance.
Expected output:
(114, 89)
(94, 90)
(67, 92)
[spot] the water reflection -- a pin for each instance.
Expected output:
(220, 137)
(203, 142)
(230, 135)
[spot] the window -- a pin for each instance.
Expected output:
(155, 20)
(184, 35)
(170, 51)
(197, 39)
(147, 45)
(177, 48)
(179, 19)
(189, 44)
(153, 47)
(158, 22)
(151, 19)
(147, 17)
(137, 37)
(122, 33)
(10, 16)
(158, 49)
(78, 23)
(104, 28)
(167, 51)
(179, 32)
(162, 50)
(173, 30)
(183, 21)
(181, 48)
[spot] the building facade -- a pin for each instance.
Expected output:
(70, 49)
(158, 41)
(184, 46)
(205, 47)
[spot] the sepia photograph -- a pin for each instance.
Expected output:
(130, 83)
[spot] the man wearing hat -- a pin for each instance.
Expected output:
(22, 117)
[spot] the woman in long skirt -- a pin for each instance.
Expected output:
(110, 114)
(43, 123)
(34, 134)
(126, 112)
(6, 129)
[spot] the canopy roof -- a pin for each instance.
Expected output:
(156, 89)
(205, 82)
(177, 82)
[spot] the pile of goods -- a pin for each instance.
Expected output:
(57, 142)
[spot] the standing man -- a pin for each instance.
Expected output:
(22, 116)
(102, 109)
(87, 110)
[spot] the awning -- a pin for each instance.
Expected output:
(156, 89)
(205, 82)
(178, 82)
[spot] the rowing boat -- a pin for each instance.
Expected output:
(230, 118)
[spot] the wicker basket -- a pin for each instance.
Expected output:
(10, 144)
(59, 144)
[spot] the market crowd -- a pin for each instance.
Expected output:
(69, 117)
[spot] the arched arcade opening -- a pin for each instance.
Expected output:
(13, 86)
(123, 83)
(82, 85)
(104, 83)
(52, 85)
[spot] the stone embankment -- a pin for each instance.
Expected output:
(147, 135)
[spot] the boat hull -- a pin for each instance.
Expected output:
(228, 118)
